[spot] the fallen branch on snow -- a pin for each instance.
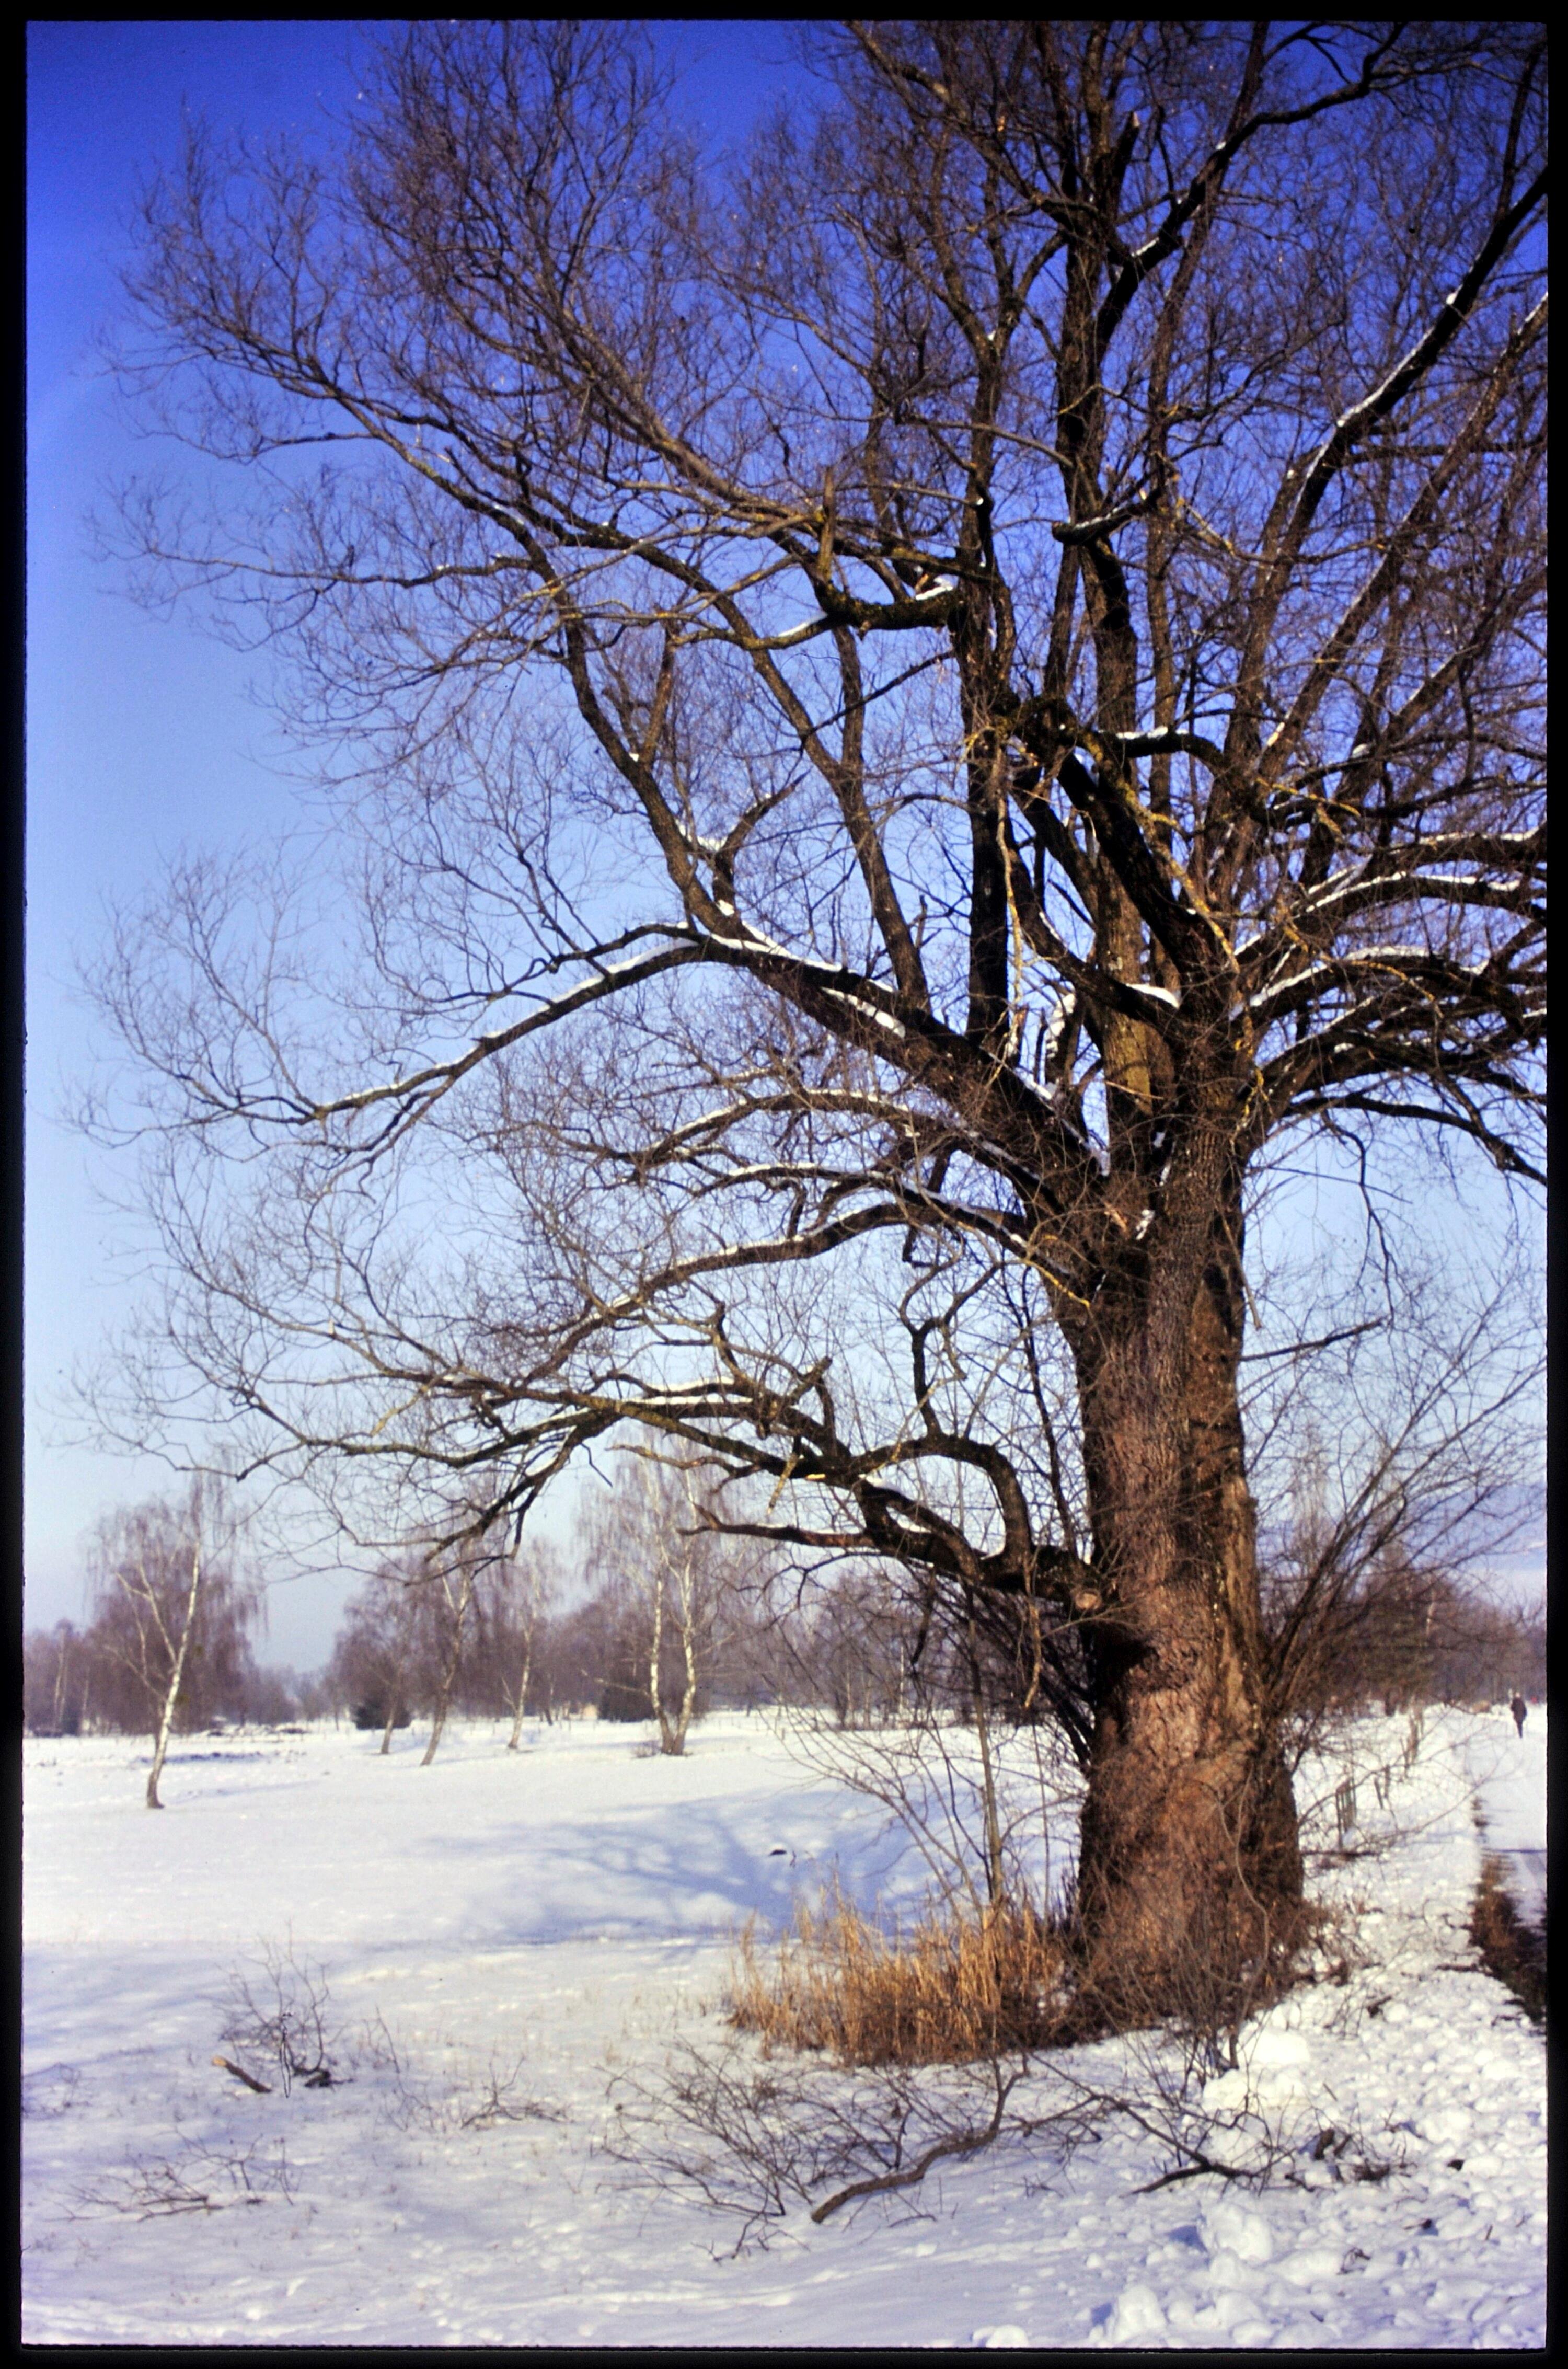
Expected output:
(957, 2142)
(264, 2089)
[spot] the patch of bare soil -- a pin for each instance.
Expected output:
(1512, 1949)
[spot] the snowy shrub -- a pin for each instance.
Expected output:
(278, 2011)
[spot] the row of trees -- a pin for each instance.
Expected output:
(669, 1615)
(672, 1617)
(669, 1620)
(1405, 1638)
(73, 1683)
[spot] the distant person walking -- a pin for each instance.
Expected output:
(1519, 1708)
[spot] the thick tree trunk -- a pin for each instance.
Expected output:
(1190, 1872)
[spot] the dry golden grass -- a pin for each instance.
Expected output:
(944, 1991)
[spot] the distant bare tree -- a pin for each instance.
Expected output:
(447, 1596)
(171, 1608)
(438, 1627)
(649, 1544)
(911, 715)
(1401, 1452)
(370, 1669)
(676, 1593)
(56, 1672)
(845, 1639)
(517, 1592)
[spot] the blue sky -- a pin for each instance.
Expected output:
(142, 736)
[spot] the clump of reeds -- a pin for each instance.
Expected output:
(952, 1986)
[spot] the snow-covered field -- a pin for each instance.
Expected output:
(569, 1906)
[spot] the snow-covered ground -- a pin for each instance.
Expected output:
(1508, 1773)
(570, 1907)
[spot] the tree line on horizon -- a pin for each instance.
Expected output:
(563, 1633)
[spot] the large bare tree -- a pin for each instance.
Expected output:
(909, 709)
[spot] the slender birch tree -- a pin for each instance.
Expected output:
(168, 1597)
(523, 1587)
(652, 1549)
(451, 1590)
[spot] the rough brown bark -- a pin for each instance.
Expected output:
(1189, 1857)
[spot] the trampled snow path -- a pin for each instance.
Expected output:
(570, 1904)
(1508, 1773)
